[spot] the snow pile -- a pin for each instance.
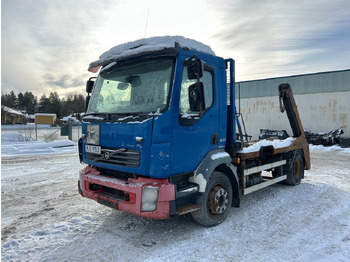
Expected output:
(275, 143)
(38, 147)
(20, 127)
(147, 45)
(13, 137)
(14, 144)
(314, 148)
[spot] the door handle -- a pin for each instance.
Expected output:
(214, 139)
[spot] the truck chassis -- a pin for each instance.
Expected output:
(225, 174)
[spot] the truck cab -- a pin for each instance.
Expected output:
(159, 129)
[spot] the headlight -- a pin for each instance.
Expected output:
(149, 198)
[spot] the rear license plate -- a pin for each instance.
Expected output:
(93, 149)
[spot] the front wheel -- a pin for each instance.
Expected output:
(217, 200)
(296, 172)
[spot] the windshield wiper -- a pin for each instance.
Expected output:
(96, 116)
(140, 114)
(114, 116)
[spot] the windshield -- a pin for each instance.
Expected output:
(141, 87)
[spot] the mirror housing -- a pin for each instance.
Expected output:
(90, 84)
(134, 81)
(196, 97)
(194, 67)
(122, 86)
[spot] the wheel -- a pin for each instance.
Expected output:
(296, 171)
(217, 200)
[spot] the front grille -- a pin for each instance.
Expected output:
(120, 157)
(117, 174)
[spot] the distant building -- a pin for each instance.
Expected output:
(74, 118)
(323, 101)
(12, 116)
(31, 118)
(45, 119)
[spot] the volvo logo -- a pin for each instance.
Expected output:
(106, 155)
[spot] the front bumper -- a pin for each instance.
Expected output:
(126, 195)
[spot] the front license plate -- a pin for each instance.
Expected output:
(93, 149)
(107, 203)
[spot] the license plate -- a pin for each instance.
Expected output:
(93, 149)
(107, 203)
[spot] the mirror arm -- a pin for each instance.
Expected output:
(87, 100)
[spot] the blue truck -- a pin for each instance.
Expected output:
(162, 137)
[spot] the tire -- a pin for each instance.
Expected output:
(296, 171)
(216, 201)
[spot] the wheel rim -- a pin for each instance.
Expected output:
(218, 200)
(297, 169)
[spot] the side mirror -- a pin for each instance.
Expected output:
(89, 85)
(135, 81)
(196, 97)
(122, 86)
(194, 67)
(87, 100)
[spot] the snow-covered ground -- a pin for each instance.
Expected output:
(41, 132)
(45, 219)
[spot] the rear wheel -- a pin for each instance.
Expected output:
(217, 200)
(296, 171)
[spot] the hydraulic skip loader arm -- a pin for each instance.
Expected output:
(286, 163)
(287, 103)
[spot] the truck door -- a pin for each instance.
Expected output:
(195, 133)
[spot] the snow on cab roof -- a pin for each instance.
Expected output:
(147, 45)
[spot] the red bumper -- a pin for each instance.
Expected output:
(126, 195)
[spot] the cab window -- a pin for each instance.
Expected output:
(186, 115)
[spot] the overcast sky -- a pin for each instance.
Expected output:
(47, 45)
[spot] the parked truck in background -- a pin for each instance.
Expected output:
(161, 138)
